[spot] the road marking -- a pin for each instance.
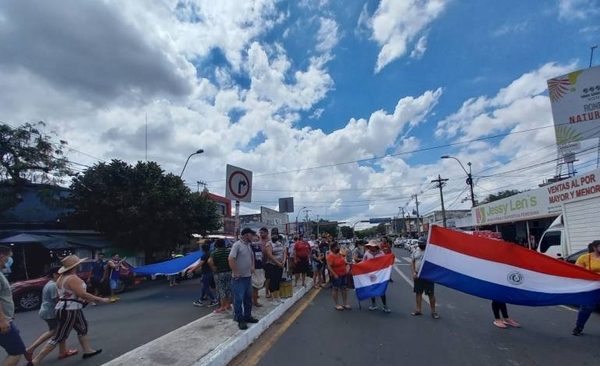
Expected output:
(568, 308)
(410, 282)
(267, 343)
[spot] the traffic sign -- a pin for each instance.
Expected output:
(286, 204)
(238, 184)
(380, 220)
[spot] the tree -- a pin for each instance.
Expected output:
(139, 207)
(347, 232)
(28, 155)
(501, 195)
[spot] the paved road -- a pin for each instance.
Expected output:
(144, 313)
(463, 336)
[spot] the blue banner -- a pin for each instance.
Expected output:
(170, 267)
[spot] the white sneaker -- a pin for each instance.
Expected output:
(281, 301)
(373, 308)
(275, 303)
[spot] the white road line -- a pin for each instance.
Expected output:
(410, 282)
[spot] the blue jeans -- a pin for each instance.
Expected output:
(584, 314)
(207, 279)
(242, 294)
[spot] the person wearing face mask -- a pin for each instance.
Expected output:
(421, 285)
(10, 339)
(276, 258)
(374, 251)
(591, 262)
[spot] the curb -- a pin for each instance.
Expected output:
(227, 351)
(197, 343)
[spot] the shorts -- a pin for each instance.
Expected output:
(425, 286)
(52, 324)
(258, 278)
(302, 266)
(338, 283)
(12, 342)
(114, 284)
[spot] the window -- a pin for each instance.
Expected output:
(552, 238)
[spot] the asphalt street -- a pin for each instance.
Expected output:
(313, 333)
(144, 313)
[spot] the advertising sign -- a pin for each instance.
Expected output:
(575, 101)
(541, 202)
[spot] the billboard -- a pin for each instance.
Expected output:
(575, 101)
(537, 203)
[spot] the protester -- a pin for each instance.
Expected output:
(291, 262)
(10, 338)
(207, 278)
(386, 247)
(114, 272)
(317, 260)
(263, 240)
(359, 251)
(422, 285)
(219, 263)
(276, 258)
(301, 261)
(324, 248)
(497, 308)
(258, 276)
(73, 294)
(241, 261)
(591, 262)
(338, 271)
(96, 277)
(48, 314)
(374, 251)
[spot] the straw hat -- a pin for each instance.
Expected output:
(372, 243)
(69, 263)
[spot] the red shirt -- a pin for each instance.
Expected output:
(337, 263)
(385, 247)
(302, 249)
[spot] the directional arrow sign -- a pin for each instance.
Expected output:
(239, 184)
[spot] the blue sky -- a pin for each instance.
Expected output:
(355, 100)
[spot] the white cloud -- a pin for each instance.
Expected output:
(570, 10)
(327, 36)
(396, 23)
(420, 48)
(510, 28)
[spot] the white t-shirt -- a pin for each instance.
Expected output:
(417, 255)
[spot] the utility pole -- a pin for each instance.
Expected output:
(417, 204)
(440, 182)
(317, 226)
(201, 183)
(306, 227)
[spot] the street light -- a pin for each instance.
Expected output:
(469, 176)
(592, 48)
(199, 151)
(297, 231)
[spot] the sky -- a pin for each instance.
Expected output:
(346, 106)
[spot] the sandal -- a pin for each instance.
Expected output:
(435, 315)
(69, 353)
(339, 308)
(28, 356)
(347, 307)
(416, 313)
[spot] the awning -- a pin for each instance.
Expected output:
(47, 241)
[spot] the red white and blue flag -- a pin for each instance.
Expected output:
(371, 277)
(501, 271)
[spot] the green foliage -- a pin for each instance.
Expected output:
(347, 232)
(28, 155)
(139, 207)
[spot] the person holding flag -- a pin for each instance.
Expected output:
(374, 251)
(420, 284)
(591, 262)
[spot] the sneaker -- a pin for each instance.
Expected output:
(198, 303)
(386, 309)
(242, 325)
(93, 303)
(212, 304)
(373, 308)
(251, 319)
(499, 323)
(280, 300)
(512, 323)
(577, 331)
(275, 303)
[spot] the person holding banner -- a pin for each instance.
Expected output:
(422, 285)
(374, 251)
(591, 262)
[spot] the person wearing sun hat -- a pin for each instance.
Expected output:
(72, 292)
(374, 251)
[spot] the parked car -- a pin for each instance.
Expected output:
(27, 295)
(573, 257)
